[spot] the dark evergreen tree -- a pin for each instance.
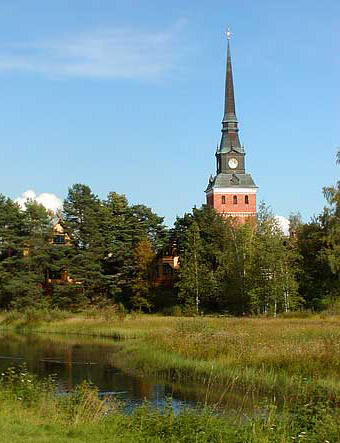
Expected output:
(317, 282)
(83, 214)
(25, 236)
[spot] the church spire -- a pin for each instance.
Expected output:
(229, 103)
(230, 139)
(232, 191)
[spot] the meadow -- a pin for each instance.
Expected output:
(279, 356)
(292, 364)
(31, 411)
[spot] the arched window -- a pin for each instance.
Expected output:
(235, 199)
(223, 199)
(246, 200)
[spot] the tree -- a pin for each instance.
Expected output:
(234, 273)
(332, 213)
(317, 282)
(274, 262)
(143, 282)
(83, 214)
(25, 249)
(150, 225)
(105, 235)
(201, 241)
(117, 226)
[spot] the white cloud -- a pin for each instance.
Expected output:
(101, 53)
(283, 223)
(48, 200)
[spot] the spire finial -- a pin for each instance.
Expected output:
(228, 33)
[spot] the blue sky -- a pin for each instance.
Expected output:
(127, 96)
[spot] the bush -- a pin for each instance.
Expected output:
(172, 311)
(23, 386)
(68, 296)
(307, 313)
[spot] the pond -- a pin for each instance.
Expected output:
(73, 359)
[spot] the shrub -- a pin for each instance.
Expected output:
(173, 311)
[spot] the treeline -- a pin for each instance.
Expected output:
(108, 259)
(254, 268)
(111, 257)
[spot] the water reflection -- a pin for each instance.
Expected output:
(73, 360)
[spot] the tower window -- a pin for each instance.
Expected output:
(235, 199)
(223, 199)
(246, 200)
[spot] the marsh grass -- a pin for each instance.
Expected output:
(287, 357)
(32, 412)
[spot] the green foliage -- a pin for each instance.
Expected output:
(274, 265)
(317, 282)
(99, 262)
(332, 217)
(31, 410)
(24, 254)
(23, 386)
(201, 241)
(173, 311)
(236, 268)
(68, 296)
(142, 284)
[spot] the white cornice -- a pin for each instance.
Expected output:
(232, 191)
(238, 214)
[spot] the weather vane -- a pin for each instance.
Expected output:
(228, 33)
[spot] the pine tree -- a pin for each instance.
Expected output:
(83, 214)
(25, 236)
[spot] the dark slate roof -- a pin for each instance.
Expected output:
(230, 139)
(223, 180)
(229, 100)
(230, 142)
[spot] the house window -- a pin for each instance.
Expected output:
(223, 199)
(59, 239)
(167, 270)
(246, 200)
(235, 199)
(55, 275)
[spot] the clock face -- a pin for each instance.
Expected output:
(233, 163)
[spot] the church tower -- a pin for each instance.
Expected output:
(232, 192)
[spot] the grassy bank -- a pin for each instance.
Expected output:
(282, 356)
(30, 410)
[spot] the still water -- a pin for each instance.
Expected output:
(74, 359)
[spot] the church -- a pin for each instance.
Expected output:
(232, 191)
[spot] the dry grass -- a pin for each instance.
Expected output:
(274, 355)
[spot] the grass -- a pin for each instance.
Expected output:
(31, 411)
(284, 357)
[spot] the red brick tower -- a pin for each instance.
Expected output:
(231, 191)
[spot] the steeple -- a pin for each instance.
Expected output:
(230, 139)
(232, 191)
